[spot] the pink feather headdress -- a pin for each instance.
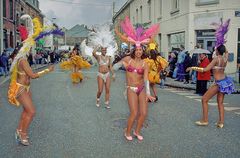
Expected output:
(137, 36)
(221, 30)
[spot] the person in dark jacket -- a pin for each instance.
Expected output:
(187, 63)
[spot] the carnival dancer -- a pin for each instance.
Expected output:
(102, 38)
(156, 64)
(21, 73)
(223, 84)
(75, 63)
(138, 91)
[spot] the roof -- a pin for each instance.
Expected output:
(121, 9)
(78, 31)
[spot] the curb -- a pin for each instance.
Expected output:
(176, 86)
(190, 88)
(8, 78)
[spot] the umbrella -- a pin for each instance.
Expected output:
(200, 51)
(9, 51)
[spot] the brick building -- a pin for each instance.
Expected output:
(12, 11)
(8, 24)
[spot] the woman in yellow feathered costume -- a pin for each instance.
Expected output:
(19, 92)
(76, 63)
(156, 64)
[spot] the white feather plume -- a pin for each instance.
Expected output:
(26, 44)
(29, 24)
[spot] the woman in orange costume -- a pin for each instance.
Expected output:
(76, 63)
(156, 64)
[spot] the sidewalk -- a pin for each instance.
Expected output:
(34, 67)
(176, 84)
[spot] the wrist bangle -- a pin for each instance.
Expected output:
(200, 69)
(41, 73)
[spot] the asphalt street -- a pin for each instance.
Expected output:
(68, 123)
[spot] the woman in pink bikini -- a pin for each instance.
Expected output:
(138, 91)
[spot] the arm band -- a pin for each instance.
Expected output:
(200, 69)
(147, 88)
(43, 72)
(117, 66)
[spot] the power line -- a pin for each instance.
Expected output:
(84, 4)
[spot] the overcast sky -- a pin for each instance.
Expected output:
(71, 12)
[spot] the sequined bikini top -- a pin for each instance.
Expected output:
(130, 68)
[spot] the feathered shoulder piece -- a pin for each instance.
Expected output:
(136, 36)
(101, 35)
(221, 30)
(30, 34)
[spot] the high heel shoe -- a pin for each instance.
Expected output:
(129, 138)
(201, 123)
(139, 137)
(219, 125)
(17, 135)
(22, 141)
(97, 102)
(107, 105)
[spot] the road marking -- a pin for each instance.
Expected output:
(198, 100)
(194, 97)
(231, 108)
(184, 93)
(215, 104)
(238, 113)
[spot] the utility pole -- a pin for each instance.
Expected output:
(1, 26)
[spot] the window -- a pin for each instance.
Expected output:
(149, 9)
(175, 40)
(5, 39)
(37, 4)
(11, 39)
(238, 50)
(160, 41)
(4, 8)
(160, 8)
(206, 2)
(137, 15)
(141, 17)
(175, 4)
(11, 9)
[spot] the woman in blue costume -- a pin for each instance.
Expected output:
(223, 84)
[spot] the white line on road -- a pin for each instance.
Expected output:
(194, 97)
(183, 93)
(198, 100)
(231, 108)
(238, 113)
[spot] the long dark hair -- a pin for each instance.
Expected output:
(221, 49)
(132, 55)
(153, 55)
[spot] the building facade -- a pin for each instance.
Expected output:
(11, 12)
(8, 24)
(188, 23)
(120, 15)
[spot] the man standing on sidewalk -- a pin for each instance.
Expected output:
(203, 77)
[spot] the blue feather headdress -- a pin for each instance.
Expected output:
(221, 30)
(49, 32)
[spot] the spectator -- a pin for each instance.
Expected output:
(187, 63)
(203, 77)
(4, 63)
